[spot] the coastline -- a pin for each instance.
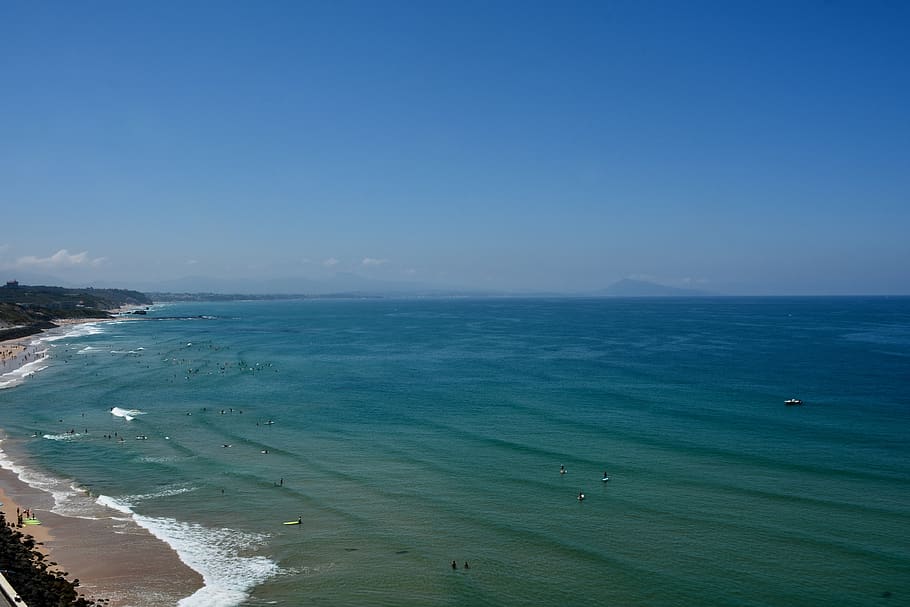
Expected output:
(19, 354)
(112, 557)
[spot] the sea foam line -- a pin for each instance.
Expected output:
(77, 330)
(69, 500)
(215, 554)
(227, 576)
(17, 376)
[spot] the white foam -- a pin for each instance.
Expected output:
(127, 414)
(133, 352)
(17, 376)
(77, 330)
(64, 436)
(69, 500)
(167, 492)
(213, 553)
(161, 459)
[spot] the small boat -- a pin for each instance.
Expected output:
(793, 402)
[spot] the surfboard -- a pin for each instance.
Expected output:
(31, 521)
(292, 522)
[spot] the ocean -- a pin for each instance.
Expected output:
(408, 434)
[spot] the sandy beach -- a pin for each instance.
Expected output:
(16, 352)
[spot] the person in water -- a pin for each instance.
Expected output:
(562, 469)
(581, 496)
(454, 565)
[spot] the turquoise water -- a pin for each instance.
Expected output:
(410, 433)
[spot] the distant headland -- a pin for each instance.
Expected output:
(26, 310)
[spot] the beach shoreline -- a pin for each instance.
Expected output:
(113, 558)
(17, 353)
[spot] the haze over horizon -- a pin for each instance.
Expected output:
(737, 148)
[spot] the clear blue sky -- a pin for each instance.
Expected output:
(739, 147)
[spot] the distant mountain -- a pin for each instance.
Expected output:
(628, 287)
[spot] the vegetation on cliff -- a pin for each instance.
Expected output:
(25, 310)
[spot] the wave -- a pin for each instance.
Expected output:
(213, 553)
(162, 459)
(64, 436)
(17, 376)
(127, 414)
(72, 331)
(134, 352)
(69, 499)
(169, 492)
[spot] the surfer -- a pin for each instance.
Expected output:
(454, 565)
(581, 497)
(562, 469)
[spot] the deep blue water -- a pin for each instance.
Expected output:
(408, 433)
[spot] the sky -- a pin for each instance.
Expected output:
(734, 147)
